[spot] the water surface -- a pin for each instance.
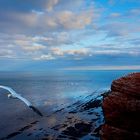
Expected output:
(48, 91)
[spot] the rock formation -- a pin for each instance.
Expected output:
(122, 109)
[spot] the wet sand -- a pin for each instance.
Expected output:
(80, 120)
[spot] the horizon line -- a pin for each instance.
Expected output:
(127, 67)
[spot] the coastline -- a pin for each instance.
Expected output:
(81, 120)
(84, 119)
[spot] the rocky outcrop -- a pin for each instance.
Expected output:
(122, 109)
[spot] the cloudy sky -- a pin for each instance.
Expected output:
(63, 34)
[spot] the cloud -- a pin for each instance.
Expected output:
(45, 57)
(51, 4)
(74, 52)
(70, 20)
(117, 52)
(60, 29)
(59, 20)
(6, 53)
(57, 51)
(134, 41)
(108, 52)
(81, 52)
(41, 26)
(120, 29)
(34, 48)
(29, 44)
(21, 6)
(121, 46)
(135, 12)
(115, 15)
(42, 18)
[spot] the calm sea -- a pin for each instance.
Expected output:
(48, 91)
(55, 88)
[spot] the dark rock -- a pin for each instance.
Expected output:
(29, 134)
(92, 104)
(96, 131)
(79, 130)
(105, 94)
(13, 135)
(73, 112)
(25, 128)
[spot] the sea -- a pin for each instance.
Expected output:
(49, 91)
(59, 87)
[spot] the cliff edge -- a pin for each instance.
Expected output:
(121, 109)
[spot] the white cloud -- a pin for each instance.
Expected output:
(33, 47)
(74, 52)
(42, 38)
(45, 57)
(29, 44)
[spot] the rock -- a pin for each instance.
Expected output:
(92, 104)
(79, 130)
(129, 85)
(121, 109)
(112, 133)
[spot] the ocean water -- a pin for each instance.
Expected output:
(48, 91)
(58, 87)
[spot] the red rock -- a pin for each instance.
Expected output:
(129, 85)
(120, 102)
(122, 109)
(112, 133)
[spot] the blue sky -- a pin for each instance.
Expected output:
(62, 34)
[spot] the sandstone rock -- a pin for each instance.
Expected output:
(122, 109)
(112, 133)
(129, 85)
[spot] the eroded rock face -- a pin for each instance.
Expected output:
(122, 109)
(129, 85)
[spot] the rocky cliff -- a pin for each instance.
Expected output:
(122, 109)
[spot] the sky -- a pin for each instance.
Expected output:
(69, 34)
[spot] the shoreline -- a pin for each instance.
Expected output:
(81, 120)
